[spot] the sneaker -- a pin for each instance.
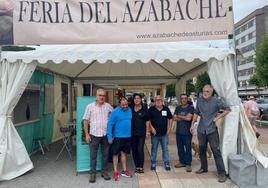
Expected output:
(188, 168)
(167, 167)
(105, 176)
(126, 174)
(116, 176)
(222, 178)
(153, 167)
(179, 165)
(92, 178)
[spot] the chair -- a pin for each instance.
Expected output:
(41, 144)
(66, 133)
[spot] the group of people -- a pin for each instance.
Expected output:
(127, 126)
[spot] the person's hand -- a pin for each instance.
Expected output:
(147, 135)
(168, 131)
(88, 138)
(192, 129)
(153, 131)
(215, 119)
(111, 141)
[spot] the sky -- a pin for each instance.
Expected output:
(241, 9)
(244, 7)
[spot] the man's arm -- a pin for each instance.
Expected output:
(147, 129)
(170, 123)
(110, 125)
(188, 117)
(223, 114)
(193, 122)
(87, 134)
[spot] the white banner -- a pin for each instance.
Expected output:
(117, 21)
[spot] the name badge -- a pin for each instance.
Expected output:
(164, 113)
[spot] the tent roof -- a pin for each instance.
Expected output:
(142, 63)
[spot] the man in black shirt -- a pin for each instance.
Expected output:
(161, 123)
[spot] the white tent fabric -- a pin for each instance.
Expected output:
(14, 159)
(166, 61)
(225, 86)
(222, 79)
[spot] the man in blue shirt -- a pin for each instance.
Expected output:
(119, 135)
(183, 115)
(161, 123)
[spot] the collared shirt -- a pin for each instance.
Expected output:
(159, 119)
(138, 122)
(98, 117)
(183, 126)
(208, 109)
(249, 106)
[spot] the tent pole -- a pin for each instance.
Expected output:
(0, 52)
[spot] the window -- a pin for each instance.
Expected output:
(49, 98)
(27, 109)
(64, 97)
(86, 90)
(250, 36)
(237, 31)
(243, 28)
(243, 39)
(251, 23)
(237, 42)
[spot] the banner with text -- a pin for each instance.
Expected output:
(113, 21)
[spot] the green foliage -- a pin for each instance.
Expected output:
(261, 62)
(17, 48)
(255, 80)
(202, 79)
(171, 90)
(189, 87)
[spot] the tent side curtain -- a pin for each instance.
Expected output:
(221, 74)
(144, 52)
(14, 158)
(222, 78)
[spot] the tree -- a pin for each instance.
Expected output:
(201, 80)
(261, 61)
(171, 90)
(189, 87)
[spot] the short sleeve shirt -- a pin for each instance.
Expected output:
(183, 127)
(138, 122)
(159, 119)
(208, 109)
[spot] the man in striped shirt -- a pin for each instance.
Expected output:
(96, 115)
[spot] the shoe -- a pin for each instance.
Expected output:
(153, 167)
(179, 165)
(116, 176)
(141, 171)
(167, 167)
(92, 178)
(222, 178)
(258, 134)
(126, 173)
(105, 175)
(201, 171)
(188, 168)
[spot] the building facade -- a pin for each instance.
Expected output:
(248, 34)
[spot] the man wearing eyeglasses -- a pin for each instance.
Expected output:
(208, 108)
(96, 115)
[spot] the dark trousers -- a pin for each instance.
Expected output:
(213, 140)
(94, 147)
(137, 144)
(184, 146)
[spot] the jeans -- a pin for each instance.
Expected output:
(137, 143)
(213, 140)
(164, 145)
(184, 146)
(94, 147)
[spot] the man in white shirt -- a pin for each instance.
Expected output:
(96, 115)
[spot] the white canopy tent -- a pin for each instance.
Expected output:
(124, 64)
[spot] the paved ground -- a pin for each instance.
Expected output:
(61, 174)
